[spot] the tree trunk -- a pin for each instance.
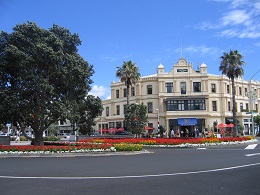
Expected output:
(127, 95)
(38, 139)
(234, 110)
(127, 104)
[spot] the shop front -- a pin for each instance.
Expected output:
(186, 127)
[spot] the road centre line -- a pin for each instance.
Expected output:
(133, 176)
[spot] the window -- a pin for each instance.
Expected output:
(169, 87)
(228, 89)
(150, 107)
(118, 124)
(124, 92)
(213, 88)
(133, 91)
(256, 107)
(183, 88)
(241, 107)
(214, 105)
(178, 105)
(150, 125)
(118, 110)
(196, 105)
(245, 91)
(172, 105)
(181, 105)
(107, 111)
(229, 106)
(111, 125)
(196, 86)
(149, 89)
(247, 106)
(117, 93)
(240, 90)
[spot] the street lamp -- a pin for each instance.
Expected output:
(158, 120)
(252, 97)
(101, 123)
(217, 125)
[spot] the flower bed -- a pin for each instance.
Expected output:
(172, 142)
(64, 147)
(123, 144)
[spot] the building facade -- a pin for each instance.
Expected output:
(182, 99)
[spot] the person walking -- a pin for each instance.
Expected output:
(172, 133)
(17, 136)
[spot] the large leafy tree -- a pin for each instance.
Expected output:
(257, 121)
(231, 66)
(43, 78)
(136, 118)
(90, 109)
(128, 74)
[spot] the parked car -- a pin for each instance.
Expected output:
(122, 133)
(95, 134)
(66, 135)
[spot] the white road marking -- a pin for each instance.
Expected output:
(133, 176)
(251, 146)
(255, 154)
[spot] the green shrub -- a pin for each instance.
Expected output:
(51, 138)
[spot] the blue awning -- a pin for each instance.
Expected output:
(187, 121)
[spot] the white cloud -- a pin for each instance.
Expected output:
(99, 91)
(239, 3)
(116, 58)
(236, 17)
(242, 20)
(199, 50)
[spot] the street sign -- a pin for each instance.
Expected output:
(8, 124)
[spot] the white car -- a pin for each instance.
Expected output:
(66, 135)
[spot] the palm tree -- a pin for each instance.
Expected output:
(129, 74)
(231, 66)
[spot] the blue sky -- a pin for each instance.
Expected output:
(148, 32)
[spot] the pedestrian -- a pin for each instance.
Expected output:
(172, 133)
(186, 132)
(164, 134)
(17, 136)
(197, 133)
(203, 133)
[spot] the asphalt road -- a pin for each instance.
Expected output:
(213, 170)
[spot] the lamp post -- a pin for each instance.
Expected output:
(158, 129)
(252, 97)
(101, 123)
(75, 129)
(217, 125)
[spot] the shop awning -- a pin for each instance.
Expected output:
(187, 121)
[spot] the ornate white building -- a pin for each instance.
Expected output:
(183, 98)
